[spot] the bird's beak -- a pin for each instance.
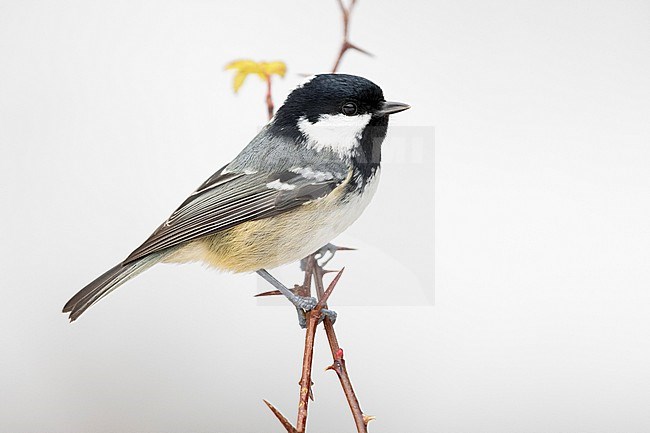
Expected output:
(388, 107)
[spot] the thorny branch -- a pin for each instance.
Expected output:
(315, 271)
(313, 319)
(305, 381)
(338, 364)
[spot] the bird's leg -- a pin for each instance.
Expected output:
(303, 304)
(322, 252)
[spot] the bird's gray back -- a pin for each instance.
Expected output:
(267, 152)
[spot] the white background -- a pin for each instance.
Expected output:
(111, 112)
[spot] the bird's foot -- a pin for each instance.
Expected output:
(303, 304)
(324, 312)
(324, 254)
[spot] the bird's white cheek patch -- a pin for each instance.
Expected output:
(339, 133)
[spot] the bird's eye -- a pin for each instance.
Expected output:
(349, 109)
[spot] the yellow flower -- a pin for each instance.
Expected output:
(264, 70)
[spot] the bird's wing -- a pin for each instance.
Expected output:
(227, 199)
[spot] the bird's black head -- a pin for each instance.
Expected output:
(331, 94)
(332, 111)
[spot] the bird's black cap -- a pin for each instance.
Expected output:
(326, 94)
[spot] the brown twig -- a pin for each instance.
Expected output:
(305, 380)
(308, 354)
(346, 44)
(269, 99)
(313, 318)
(307, 360)
(361, 421)
(314, 271)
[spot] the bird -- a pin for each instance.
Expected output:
(301, 181)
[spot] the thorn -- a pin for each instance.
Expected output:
(368, 418)
(285, 423)
(298, 290)
(269, 293)
(329, 290)
(330, 367)
(361, 50)
(346, 249)
(311, 392)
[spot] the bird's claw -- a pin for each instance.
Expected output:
(305, 304)
(327, 313)
(322, 252)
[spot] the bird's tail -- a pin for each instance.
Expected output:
(106, 283)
